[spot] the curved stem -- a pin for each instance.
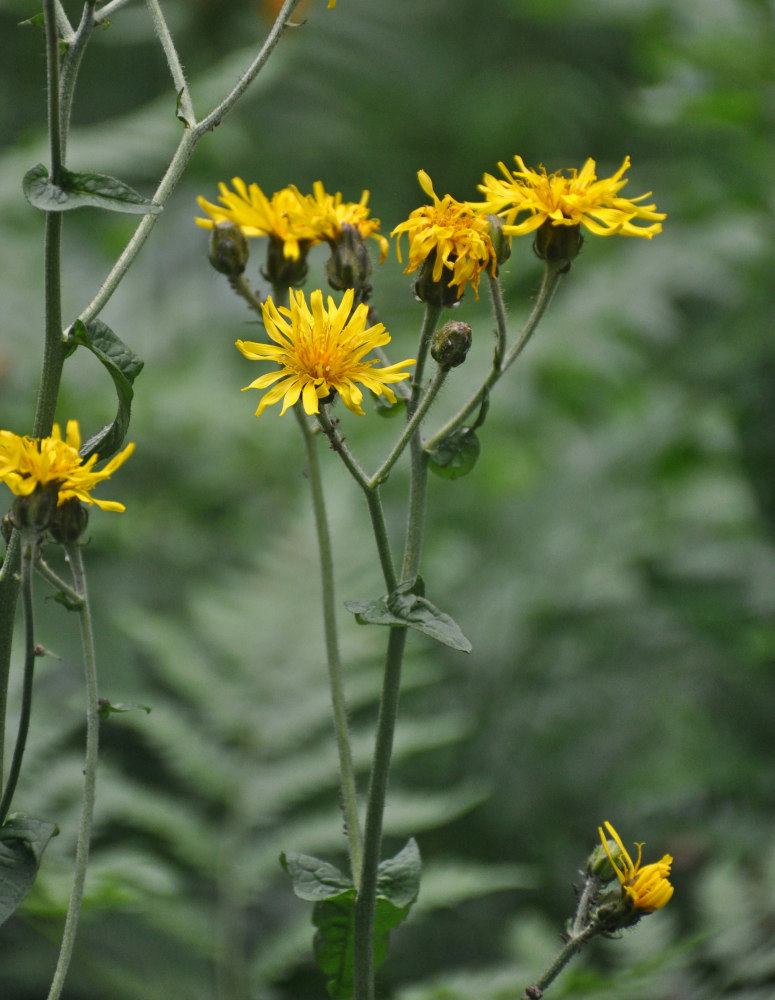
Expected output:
(412, 425)
(338, 704)
(29, 543)
(545, 294)
(572, 947)
(176, 70)
(373, 499)
(70, 67)
(168, 183)
(90, 775)
(363, 947)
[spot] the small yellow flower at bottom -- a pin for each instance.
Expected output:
(647, 888)
(320, 349)
(26, 463)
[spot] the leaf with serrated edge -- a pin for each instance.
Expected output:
(312, 878)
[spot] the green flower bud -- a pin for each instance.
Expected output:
(599, 864)
(69, 521)
(450, 344)
(36, 509)
(228, 249)
(558, 245)
(436, 293)
(282, 271)
(349, 265)
(501, 244)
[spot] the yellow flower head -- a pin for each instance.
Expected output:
(26, 463)
(457, 233)
(567, 200)
(328, 213)
(284, 217)
(320, 349)
(647, 887)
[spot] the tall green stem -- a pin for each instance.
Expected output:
(341, 728)
(363, 957)
(90, 774)
(29, 542)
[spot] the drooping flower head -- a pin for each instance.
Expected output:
(55, 464)
(321, 349)
(453, 235)
(645, 887)
(567, 199)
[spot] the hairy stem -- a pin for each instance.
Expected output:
(29, 543)
(338, 704)
(90, 775)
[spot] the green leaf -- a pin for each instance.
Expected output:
(79, 189)
(107, 708)
(456, 455)
(411, 609)
(22, 842)
(398, 883)
(36, 21)
(312, 878)
(123, 367)
(387, 409)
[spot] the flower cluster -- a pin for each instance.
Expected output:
(27, 464)
(289, 218)
(644, 888)
(320, 350)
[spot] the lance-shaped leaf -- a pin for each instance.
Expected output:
(123, 366)
(22, 842)
(82, 189)
(408, 606)
(334, 895)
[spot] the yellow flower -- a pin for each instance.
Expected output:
(284, 217)
(457, 234)
(26, 463)
(647, 887)
(320, 349)
(572, 200)
(328, 213)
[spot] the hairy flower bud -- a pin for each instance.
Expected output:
(435, 292)
(285, 272)
(36, 509)
(69, 521)
(558, 245)
(228, 249)
(501, 243)
(450, 344)
(349, 265)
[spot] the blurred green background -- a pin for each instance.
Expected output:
(610, 557)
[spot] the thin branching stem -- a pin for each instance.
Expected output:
(185, 105)
(29, 544)
(335, 676)
(182, 155)
(70, 66)
(548, 287)
(89, 772)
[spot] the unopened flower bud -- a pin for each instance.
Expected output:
(436, 293)
(501, 243)
(599, 863)
(69, 521)
(228, 249)
(349, 265)
(36, 509)
(450, 344)
(285, 272)
(558, 245)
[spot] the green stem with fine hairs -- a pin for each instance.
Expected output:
(89, 772)
(29, 543)
(502, 362)
(338, 704)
